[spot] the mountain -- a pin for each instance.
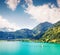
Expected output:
(35, 33)
(24, 33)
(40, 29)
(6, 35)
(44, 32)
(57, 24)
(52, 34)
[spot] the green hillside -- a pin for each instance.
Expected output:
(52, 34)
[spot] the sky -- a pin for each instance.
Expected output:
(20, 14)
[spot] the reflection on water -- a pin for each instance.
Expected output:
(8, 47)
(26, 48)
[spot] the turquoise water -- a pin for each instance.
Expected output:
(28, 48)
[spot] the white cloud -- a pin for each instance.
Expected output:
(4, 23)
(58, 1)
(12, 4)
(44, 13)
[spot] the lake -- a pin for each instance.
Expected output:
(28, 48)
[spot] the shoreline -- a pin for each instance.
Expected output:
(28, 40)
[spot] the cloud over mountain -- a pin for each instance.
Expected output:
(4, 23)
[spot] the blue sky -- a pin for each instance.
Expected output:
(27, 13)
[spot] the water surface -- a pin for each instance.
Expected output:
(28, 48)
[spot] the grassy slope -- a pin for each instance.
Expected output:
(52, 34)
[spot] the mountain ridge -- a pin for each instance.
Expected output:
(44, 32)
